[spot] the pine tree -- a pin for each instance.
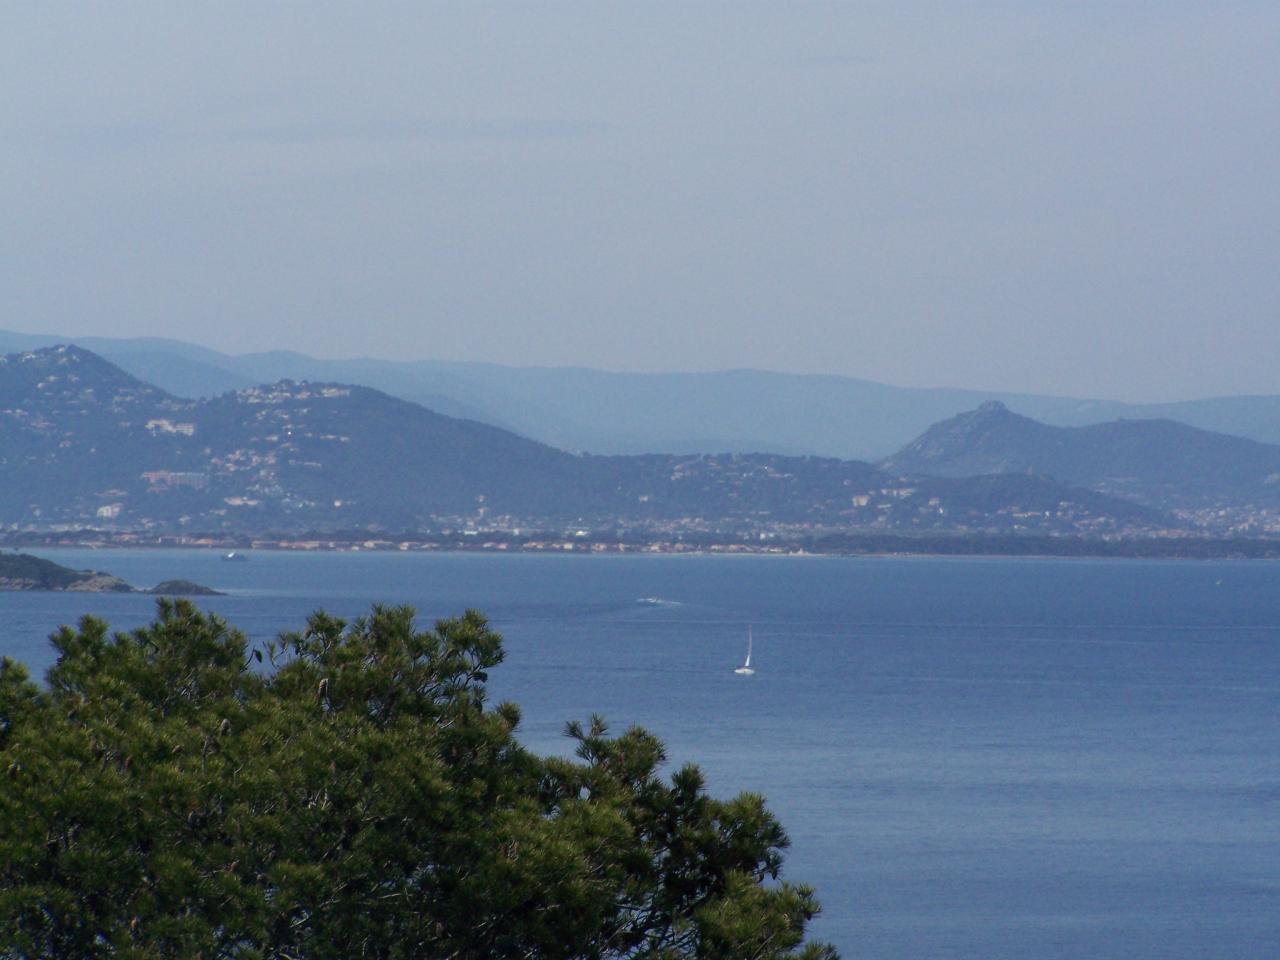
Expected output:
(167, 795)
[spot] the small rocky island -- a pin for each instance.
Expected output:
(21, 571)
(183, 588)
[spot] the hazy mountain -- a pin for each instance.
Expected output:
(71, 424)
(179, 375)
(576, 409)
(13, 342)
(1158, 462)
(82, 435)
(83, 442)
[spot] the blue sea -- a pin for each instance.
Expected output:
(975, 758)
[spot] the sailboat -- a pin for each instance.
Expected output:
(746, 669)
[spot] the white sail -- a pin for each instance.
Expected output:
(746, 666)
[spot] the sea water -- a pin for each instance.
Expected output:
(974, 758)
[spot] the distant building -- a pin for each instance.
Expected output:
(168, 426)
(161, 480)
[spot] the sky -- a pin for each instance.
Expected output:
(1073, 198)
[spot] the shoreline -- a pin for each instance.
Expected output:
(845, 545)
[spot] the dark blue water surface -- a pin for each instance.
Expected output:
(974, 758)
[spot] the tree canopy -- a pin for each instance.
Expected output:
(354, 796)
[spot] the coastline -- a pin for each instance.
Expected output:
(827, 545)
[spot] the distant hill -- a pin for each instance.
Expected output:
(85, 444)
(21, 571)
(1157, 462)
(85, 439)
(735, 411)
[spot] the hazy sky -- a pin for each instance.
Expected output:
(1075, 197)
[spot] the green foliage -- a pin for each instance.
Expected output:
(164, 796)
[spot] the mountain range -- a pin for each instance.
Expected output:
(1161, 463)
(84, 443)
(575, 409)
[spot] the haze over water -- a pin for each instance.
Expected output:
(974, 758)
